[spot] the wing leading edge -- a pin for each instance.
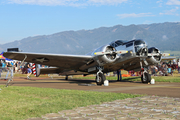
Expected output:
(71, 62)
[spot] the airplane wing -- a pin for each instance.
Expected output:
(71, 62)
(167, 58)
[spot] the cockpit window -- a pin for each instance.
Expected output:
(113, 44)
(119, 43)
(129, 44)
(139, 42)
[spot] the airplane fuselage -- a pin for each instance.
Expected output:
(137, 51)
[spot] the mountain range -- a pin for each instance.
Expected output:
(165, 36)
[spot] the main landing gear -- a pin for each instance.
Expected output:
(66, 78)
(100, 77)
(145, 76)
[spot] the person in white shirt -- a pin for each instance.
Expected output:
(178, 63)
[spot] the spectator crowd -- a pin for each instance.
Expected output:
(165, 68)
(161, 69)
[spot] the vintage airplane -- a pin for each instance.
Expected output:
(119, 54)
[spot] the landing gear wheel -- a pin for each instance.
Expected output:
(101, 80)
(66, 78)
(146, 78)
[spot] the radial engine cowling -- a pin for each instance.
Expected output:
(108, 54)
(156, 56)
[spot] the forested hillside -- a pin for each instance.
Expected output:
(164, 36)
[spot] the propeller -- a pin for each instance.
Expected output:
(165, 54)
(159, 54)
(111, 52)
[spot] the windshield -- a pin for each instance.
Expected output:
(139, 44)
(117, 43)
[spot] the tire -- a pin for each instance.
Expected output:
(146, 79)
(102, 78)
(66, 78)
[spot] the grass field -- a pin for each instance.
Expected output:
(19, 103)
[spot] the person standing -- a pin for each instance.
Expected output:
(16, 67)
(9, 68)
(154, 70)
(119, 75)
(3, 64)
(178, 63)
(0, 67)
(29, 71)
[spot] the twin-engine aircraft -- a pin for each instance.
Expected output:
(119, 54)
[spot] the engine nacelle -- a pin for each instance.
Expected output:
(37, 70)
(156, 58)
(106, 58)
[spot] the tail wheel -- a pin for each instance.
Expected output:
(101, 80)
(145, 78)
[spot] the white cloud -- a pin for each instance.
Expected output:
(75, 3)
(164, 37)
(43, 2)
(173, 2)
(147, 22)
(107, 2)
(160, 2)
(171, 12)
(68, 45)
(135, 15)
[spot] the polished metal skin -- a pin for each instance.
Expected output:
(106, 58)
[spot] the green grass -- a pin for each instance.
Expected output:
(170, 79)
(26, 102)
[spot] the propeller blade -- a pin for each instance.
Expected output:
(100, 53)
(153, 54)
(165, 54)
(157, 54)
(110, 52)
(121, 51)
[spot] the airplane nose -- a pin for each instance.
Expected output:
(142, 51)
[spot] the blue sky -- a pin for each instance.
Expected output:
(24, 18)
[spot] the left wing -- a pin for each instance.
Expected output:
(68, 62)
